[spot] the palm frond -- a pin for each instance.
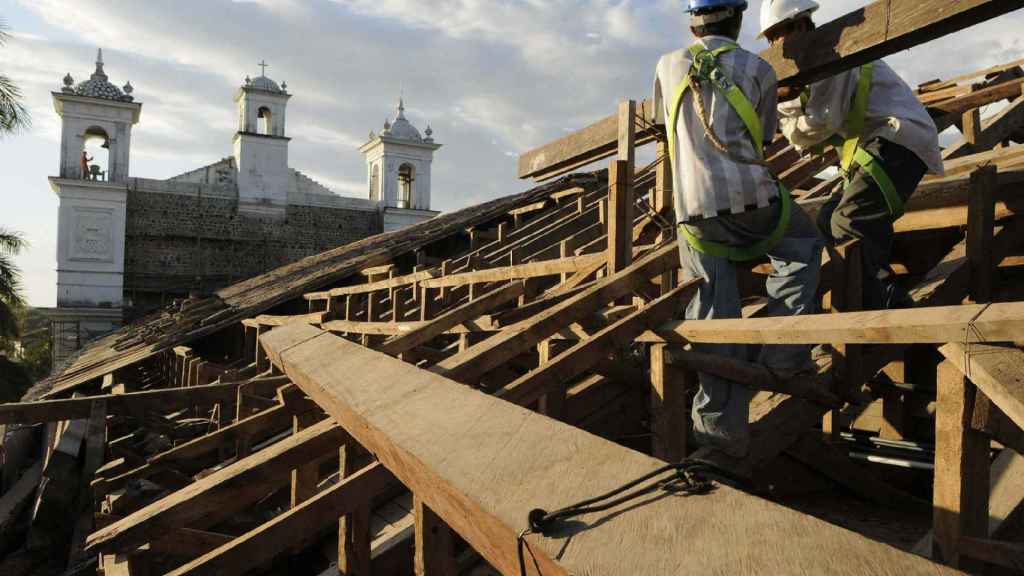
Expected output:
(10, 282)
(13, 114)
(12, 242)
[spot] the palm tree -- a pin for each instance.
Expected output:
(11, 243)
(13, 114)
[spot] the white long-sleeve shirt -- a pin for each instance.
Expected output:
(893, 113)
(708, 183)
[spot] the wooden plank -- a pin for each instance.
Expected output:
(468, 365)
(17, 498)
(214, 498)
(464, 313)
(875, 31)
(167, 400)
(483, 467)
(578, 359)
(354, 543)
(971, 323)
(998, 371)
(293, 530)
(517, 272)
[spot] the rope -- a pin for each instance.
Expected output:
(709, 132)
(684, 478)
(968, 331)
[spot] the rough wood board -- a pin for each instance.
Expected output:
(998, 371)
(973, 323)
(484, 466)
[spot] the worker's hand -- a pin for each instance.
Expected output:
(787, 93)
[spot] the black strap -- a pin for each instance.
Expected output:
(686, 478)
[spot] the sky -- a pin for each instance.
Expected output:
(493, 78)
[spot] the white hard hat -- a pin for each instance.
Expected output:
(775, 12)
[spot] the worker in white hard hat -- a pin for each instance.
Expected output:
(886, 143)
(718, 104)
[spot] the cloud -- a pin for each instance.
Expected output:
(492, 77)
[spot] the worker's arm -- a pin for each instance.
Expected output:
(767, 105)
(659, 113)
(806, 125)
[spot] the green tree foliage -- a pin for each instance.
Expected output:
(13, 114)
(11, 301)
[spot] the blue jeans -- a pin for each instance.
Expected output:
(721, 407)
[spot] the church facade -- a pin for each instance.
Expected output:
(128, 245)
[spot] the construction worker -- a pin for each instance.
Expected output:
(718, 104)
(885, 139)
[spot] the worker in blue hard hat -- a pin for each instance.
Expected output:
(718, 104)
(886, 142)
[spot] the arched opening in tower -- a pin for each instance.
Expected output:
(263, 121)
(406, 176)
(95, 158)
(375, 182)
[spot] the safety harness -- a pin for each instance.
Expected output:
(850, 149)
(705, 68)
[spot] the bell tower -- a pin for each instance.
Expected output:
(261, 147)
(92, 186)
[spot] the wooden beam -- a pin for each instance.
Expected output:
(960, 495)
(980, 222)
(220, 494)
(670, 418)
(293, 530)
(468, 365)
(1006, 554)
(998, 371)
(971, 323)
(586, 353)
(464, 313)
(875, 31)
(165, 400)
(483, 467)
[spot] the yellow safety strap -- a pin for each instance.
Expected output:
(850, 149)
(705, 66)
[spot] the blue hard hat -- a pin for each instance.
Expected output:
(695, 5)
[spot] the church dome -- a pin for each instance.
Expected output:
(98, 86)
(264, 83)
(402, 129)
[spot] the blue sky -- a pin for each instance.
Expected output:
(493, 78)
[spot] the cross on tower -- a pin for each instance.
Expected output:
(263, 65)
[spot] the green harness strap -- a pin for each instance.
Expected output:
(850, 149)
(705, 67)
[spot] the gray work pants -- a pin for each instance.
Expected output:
(859, 211)
(721, 407)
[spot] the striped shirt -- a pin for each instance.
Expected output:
(894, 113)
(707, 182)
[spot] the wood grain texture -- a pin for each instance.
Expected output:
(483, 467)
(997, 370)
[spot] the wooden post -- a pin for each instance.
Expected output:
(435, 552)
(847, 296)
(627, 134)
(620, 217)
(305, 477)
(960, 497)
(895, 416)
(398, 304)
(670, 419)
(663, 205)
(250, 344)
(353, 529)
(981, 213)
(262, 362)
(502, 232)
(446, 269)
(971, 125)
(551, 404)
